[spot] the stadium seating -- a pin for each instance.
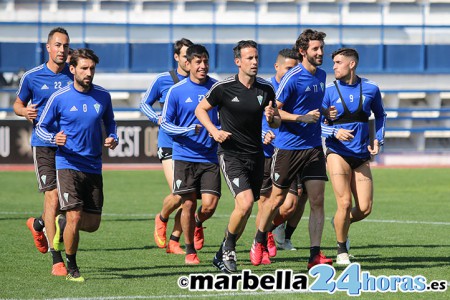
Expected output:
(399, 41)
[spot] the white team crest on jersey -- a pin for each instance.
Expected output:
(97, 107)
(235, 99)
(308, 89)
(44, 178)
(178, 183)
(74, 108)
(44, 87)
(260, 98)
(322, 86)
(276, 175)
(188, 100)
(66, 197)
(236, 182)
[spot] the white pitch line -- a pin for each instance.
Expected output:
(227, 216)
(209, 295)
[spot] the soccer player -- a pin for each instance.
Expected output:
(298, 144)
(241, 100)
(196, 167)
(36, 86)
(79, 111)
(158, 91)
(348, 143)
(286, 59)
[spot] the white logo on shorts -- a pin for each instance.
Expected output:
(66, 197)
(236, 182)
(44, 178)
(277, 176)
(178, 183)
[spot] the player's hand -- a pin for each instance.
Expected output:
(269, 137)
(331, 112)
(198, 127)
(270, 112)
(376, 148)
(159, 120)
(111, 143)
(31, 112)
(221, 136)
(344, 135)
(60, 138)
(311, 117)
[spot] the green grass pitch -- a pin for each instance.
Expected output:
(408, 233)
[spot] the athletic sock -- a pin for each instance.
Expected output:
(163, 219)
(230, 241)
(341, 247)
(288, 231)
(261, 237)
(71, 260)
(313, 252)
(190, 249)
(56, 256)
(174, 238)
(198, 223)
(38, 224)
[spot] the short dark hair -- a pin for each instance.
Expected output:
(55, 30)
(347, 52)
(83, 53)
(70, 51)
(179, 44)
(243, 44)
(196, 50)
(307, 35)
(288, 53)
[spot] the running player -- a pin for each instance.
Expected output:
(196, 167)
(157, 92)
(241, 99)
(79, 111)
(286, 59)
(298, 144)
(348, 143)
(36, 86)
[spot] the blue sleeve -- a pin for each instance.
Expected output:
(380, 117)
(169, 117)
(24, 91)
(327, 130)
(108, 120)
(151, 96)
(47, 119)
(285, 89)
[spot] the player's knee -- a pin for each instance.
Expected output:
(209, 209)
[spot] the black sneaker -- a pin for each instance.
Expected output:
(229, 260)
(218, 263)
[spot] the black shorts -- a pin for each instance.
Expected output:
(243, 172)
(353, 162)
(80, 189)
(196, 177)
(308, 164)
(267, 180)
(45, 168)
(164, 153)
